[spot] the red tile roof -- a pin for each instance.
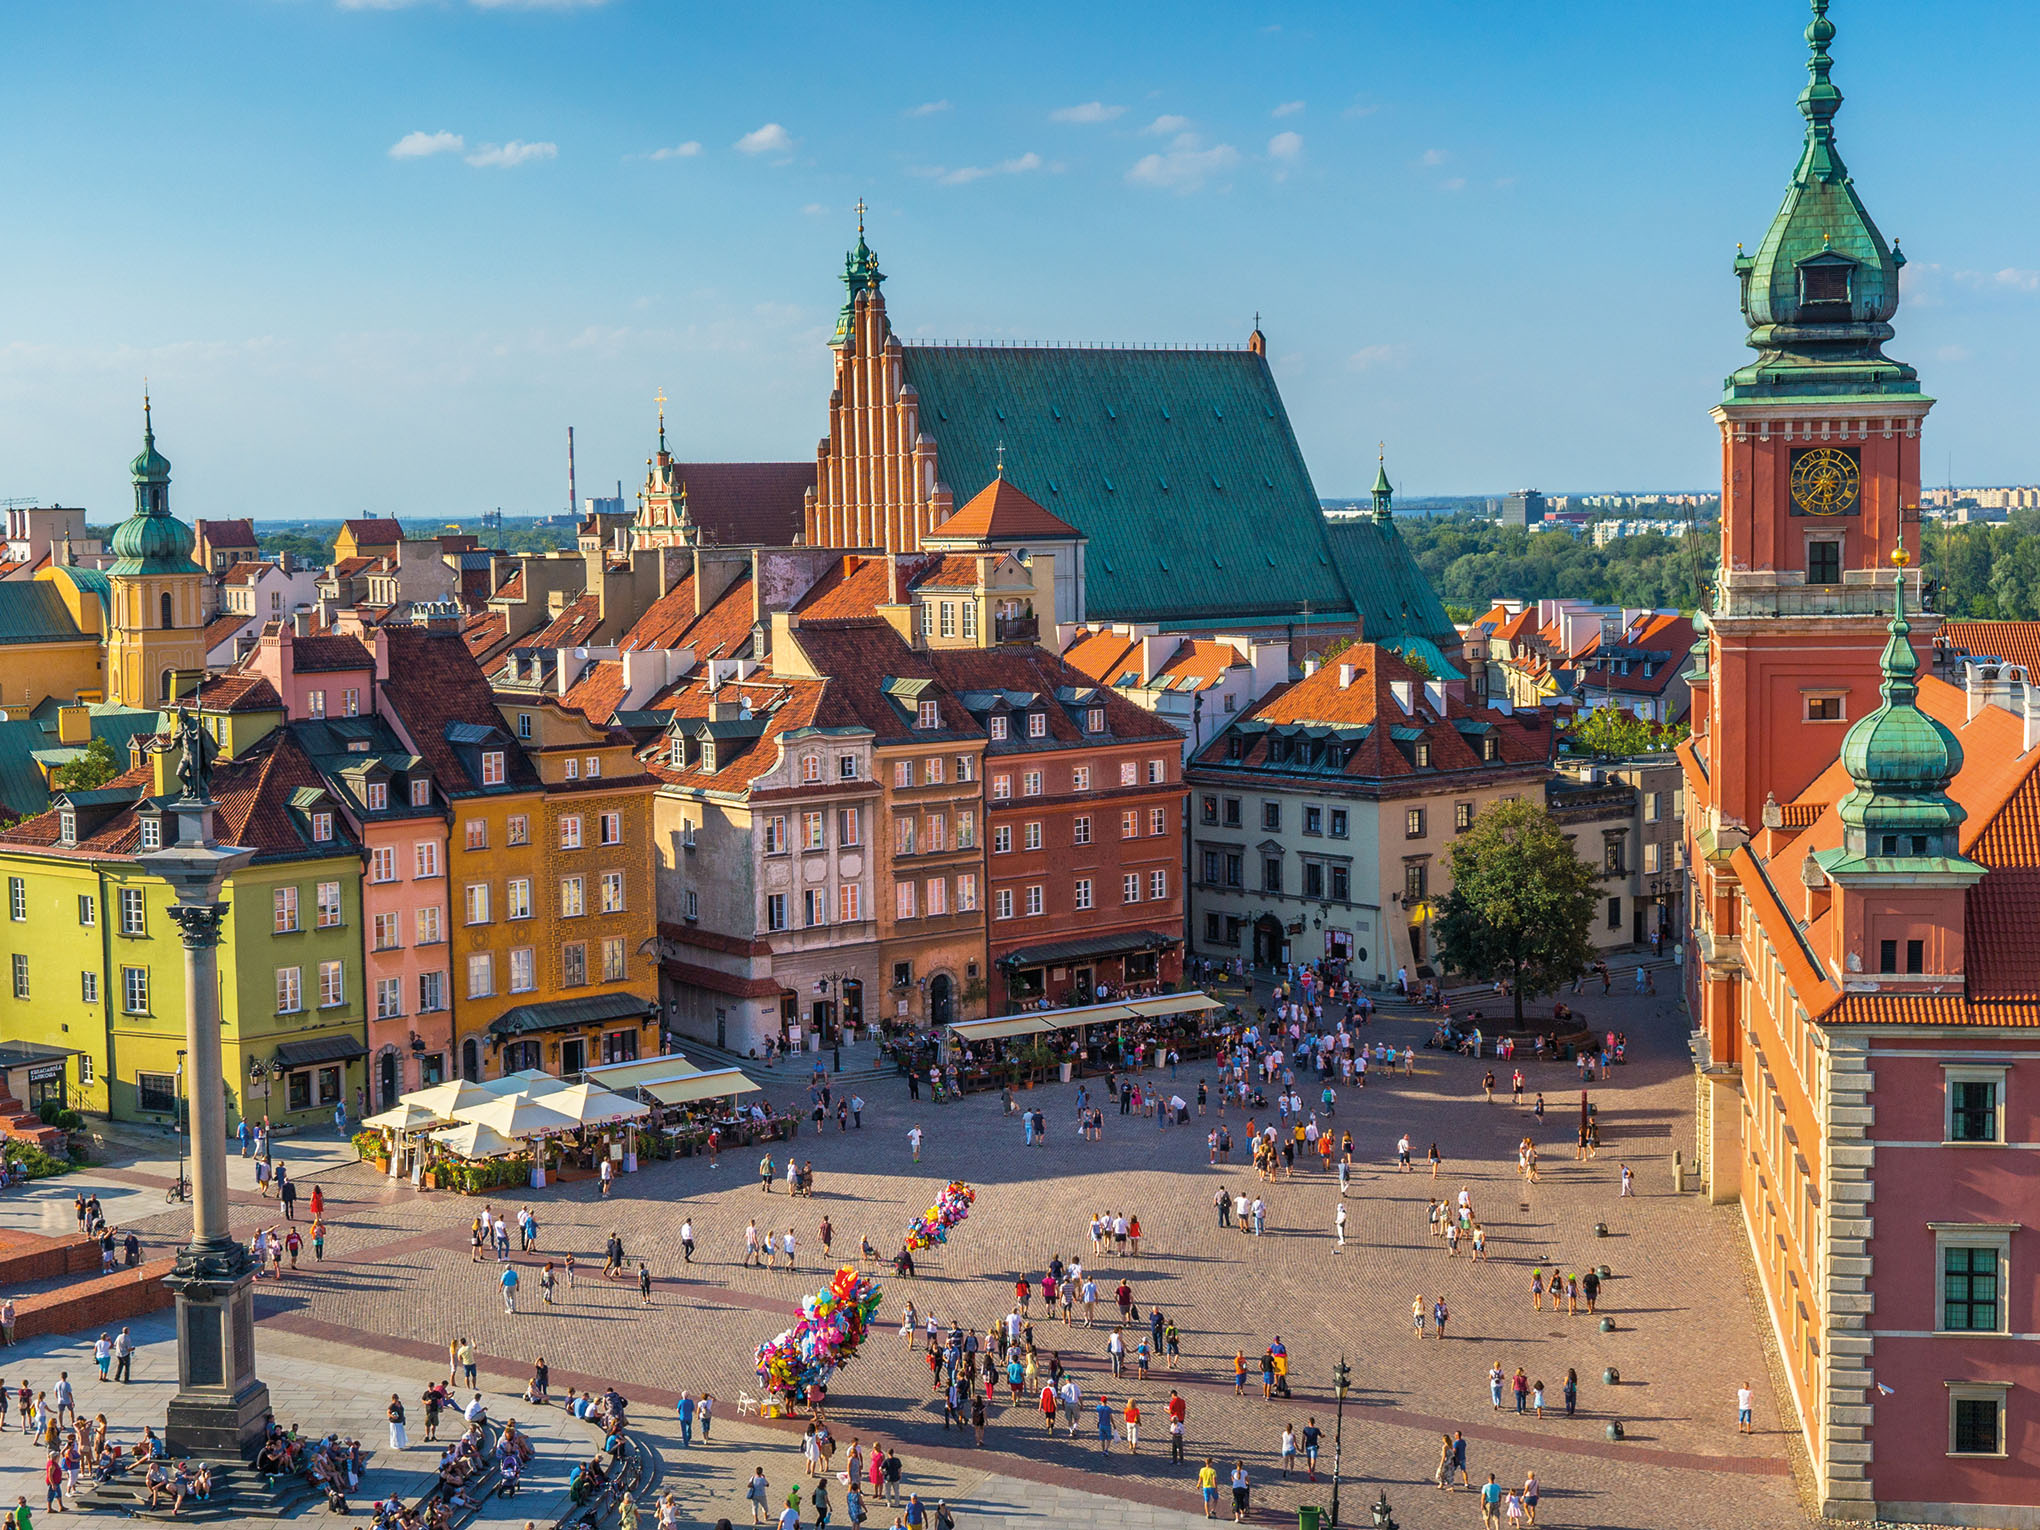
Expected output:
(577, 622)
(1002, 512)
(858, 656)
(748, 504)
(720, 632)
(239, 693)
(785, 705)
(1013, 667)
(2014, 642)
(220, 628)
(379, 531)
(325, 655)
(852, 588)
(435, 681)
(247, 571)
(1104, 656)
(222, 534)
(598, 693)
(511, 588)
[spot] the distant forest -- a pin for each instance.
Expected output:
(1471, 563)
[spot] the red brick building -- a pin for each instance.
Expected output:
(1084, 828)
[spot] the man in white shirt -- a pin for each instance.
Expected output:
(687, 1240)
(1745, 1404)
(914, 1140)
(1340, 1222)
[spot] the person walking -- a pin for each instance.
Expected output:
(395, 1414)
(1339, 1223)
(1745, 1405)
(687, 1240)
(1207, 1488)
(123, 1356)
(644, 1284)
(914, 1140)
(509, 1289)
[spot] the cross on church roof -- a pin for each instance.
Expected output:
(860, 217)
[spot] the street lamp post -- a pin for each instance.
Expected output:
(183, 1126)
(1342, 1379)
(220, 1405)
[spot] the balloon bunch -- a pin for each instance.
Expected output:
(832, 1325)
(932, 1226)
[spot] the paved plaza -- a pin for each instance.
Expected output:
(398, 1284)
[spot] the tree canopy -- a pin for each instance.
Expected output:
(1610, 733)
(1471, 563)
(94, 768)
(1521, 905)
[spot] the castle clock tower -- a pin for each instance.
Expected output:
(157, 626)
(1820, 477)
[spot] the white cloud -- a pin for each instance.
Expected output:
(1363, 109)
(1186, 166)
(1434, 157)
(419, 145)
(963, 175)
(1287, 109)
(1286, 148)
(928, 109)
(1090, 111)
(508, 156)
(1455, 183)
(1370, 356)
(1952, 353)
(769, 139)
(2010, 279)
(685, 150)
(814, 209)
(1167, 124)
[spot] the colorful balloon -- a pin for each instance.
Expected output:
(832, 1325)
(932, 1226)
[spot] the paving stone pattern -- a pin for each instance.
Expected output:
(398, 1279)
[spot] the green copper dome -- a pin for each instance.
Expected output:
(1384, 491)
(152, 541)
(860, 274)
(1900, 759)
(1821, 290)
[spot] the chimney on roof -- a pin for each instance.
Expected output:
(1309, 668)
(301, 623)
(1405, 694)
(381, 643)
(1434, 696)
(1345, 677)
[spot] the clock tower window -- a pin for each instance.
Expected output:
(1824, 560)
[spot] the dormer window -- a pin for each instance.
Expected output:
(928, 715)
(1094, 720)
(1490, 748)
(1423, 755)
(811, 767)
(1037, 725)
(421, 792)
(152, 833)
(998, 727)
(67, 827)
(708, 756)
(1826, 283)
(378, 796)
(492, 768)
(524, 725)
(322, 827)
(573, 769)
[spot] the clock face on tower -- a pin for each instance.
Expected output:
(1826, 480)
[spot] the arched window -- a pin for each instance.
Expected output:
(169, 690)
(168, 618)
(470, 1061)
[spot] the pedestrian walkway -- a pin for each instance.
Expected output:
(314, 1390)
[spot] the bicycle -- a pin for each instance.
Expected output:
(181, 1191)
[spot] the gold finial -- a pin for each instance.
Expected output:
(1002, 459)
(1900, 557)
(1381, 453)
(859, 210)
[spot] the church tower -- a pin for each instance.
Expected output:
(157, 627)
(1820, 477)
(662, 516)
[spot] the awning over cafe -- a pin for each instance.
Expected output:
(1004, 1026)
(1169, 1004)
(628, 1075)
(1089, 946)
(569, 1014)
(319, 1049)
(715, 1084)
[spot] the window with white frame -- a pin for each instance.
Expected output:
(88, 909)
(966, 767)
(570, 832)
(812, 835)
(573, 897)
(322, 827)
(290, 990)
(811, 767)
(1158, 884)
(1129, 824)
(152, 833)
(88, 982)
(1034, 900)
(1129, 887)
(421, 792)
(428, 857)
(523, 969)
(846, 768)
(1080, 779)
(966, 892)
(949, 618)
(378, 796)
(928, 715)
(481, 975)
(492, 767)
(478, 903)
(20, 975)
(1080, 829)
(1975, 1103)
(283, 902)
(389, 932)
(903, 900)
(1030, 834)
(612, 828)
(814, 906)
(850, 903)
(382, 864)
(1158, 820)
(518, 829)
(849, 827)
(1002, 903)
(902, 774)
(429, 926)
(134, 988)
(1081, 894)
(1094, 719)
(332, 985)
(389, 998)
(1037, 725)
(1002, 839)
(612, 892)
(133, 912)
(1030, 784)
(966, 828)
(995, 725)
(937, 901)
(1002, 788)
(931, 774)
(329, 904)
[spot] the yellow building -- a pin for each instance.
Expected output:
(157, 621)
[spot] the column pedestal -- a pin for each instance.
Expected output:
(221, 1409)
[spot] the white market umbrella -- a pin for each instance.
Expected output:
(406, 1115)
(473, 1140)
(445, 1100)
(518, 1115)
(531, 1081)
(590, 1104)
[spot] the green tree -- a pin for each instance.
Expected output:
(94, 768)
(1521, 904)
(1611, 733)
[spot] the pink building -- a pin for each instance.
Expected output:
(331, 691)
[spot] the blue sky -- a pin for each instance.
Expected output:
(377, 257)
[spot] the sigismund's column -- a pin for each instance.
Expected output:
(221, 1407)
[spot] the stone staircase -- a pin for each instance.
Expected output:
(239, 1492)
(21, 1124)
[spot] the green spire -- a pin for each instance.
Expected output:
(1821, 290)
(152, 541)
(860, 274)
(1901, 761)
(1384, 492)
